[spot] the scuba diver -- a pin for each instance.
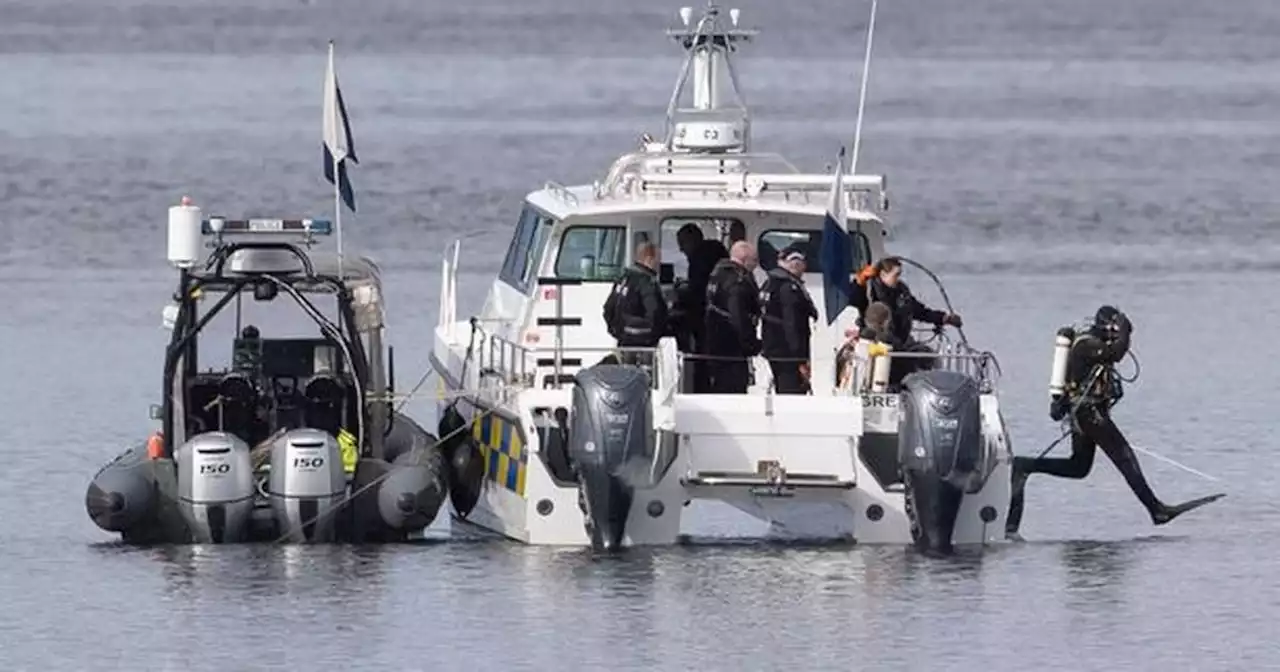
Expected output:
(1084, 387)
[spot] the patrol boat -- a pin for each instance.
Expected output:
(297, 439)
(565, 450)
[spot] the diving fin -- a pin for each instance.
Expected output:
(1171, 512)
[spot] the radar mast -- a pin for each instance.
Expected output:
(714, 123)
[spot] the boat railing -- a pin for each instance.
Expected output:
(854, 375)
(521, 367)
(629, 166)
(562, 192)
(505, 360)
(730, 176)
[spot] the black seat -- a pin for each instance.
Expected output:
(324, 395)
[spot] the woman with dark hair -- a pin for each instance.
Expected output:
(883, 282)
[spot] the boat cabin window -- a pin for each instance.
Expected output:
(525, 252)
(775, 241)
(592, 253)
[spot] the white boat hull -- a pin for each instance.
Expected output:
(725, 446)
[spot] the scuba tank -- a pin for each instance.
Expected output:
(1058, 372)
(880, 366)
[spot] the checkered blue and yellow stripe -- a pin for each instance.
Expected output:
(506, 459)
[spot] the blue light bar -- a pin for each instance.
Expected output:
(216, 225)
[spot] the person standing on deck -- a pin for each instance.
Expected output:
(787, 311)
(635, 312)
(733, 315)
(691, 300)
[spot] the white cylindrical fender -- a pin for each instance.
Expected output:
(881, 360)
(1058, 373)
(186, 240)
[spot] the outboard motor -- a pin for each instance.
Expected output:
(307, 484)
(611, 437)
(940, 450)
(215, 487)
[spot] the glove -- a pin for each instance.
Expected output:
(953, 320)
(867, 272)
(804, 371)
(1058, 408)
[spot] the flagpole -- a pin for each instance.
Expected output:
(337, 214)
(337, 184)
(862, 96)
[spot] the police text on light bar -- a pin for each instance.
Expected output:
(218, 225)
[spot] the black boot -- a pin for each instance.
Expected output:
(1016, 500)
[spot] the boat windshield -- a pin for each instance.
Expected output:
(773, 241)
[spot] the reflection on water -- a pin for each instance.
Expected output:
(1096, 570)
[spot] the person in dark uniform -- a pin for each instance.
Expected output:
(691, 299)
(883, 282)
(1092, 388)
(887, 287)
(635, 311)
(784, 328)
(733, 314)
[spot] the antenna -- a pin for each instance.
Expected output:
(862, 96)
(711, 124)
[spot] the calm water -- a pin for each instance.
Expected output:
(1044, 157)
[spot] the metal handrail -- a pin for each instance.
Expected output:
(633, 164)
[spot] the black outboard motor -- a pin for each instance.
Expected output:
(941, 453)
(611, 438)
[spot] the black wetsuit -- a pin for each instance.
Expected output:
(636, 313)
(733, 313)
(905, 308)
(691, 306)
(1092, 388)
(787, 311)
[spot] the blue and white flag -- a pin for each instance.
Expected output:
(338, 146)
(836, 253)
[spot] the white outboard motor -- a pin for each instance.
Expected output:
(215, 487)
(611, 444)
(307, 484)
(941, 452)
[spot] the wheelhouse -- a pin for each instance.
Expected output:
(274, 379)
(590, 247)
